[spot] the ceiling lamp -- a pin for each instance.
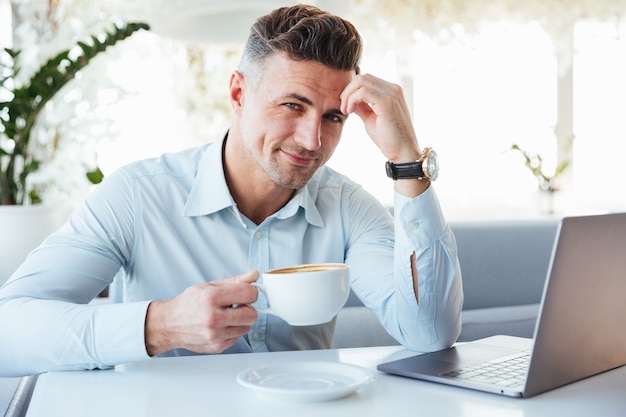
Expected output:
(206, 20)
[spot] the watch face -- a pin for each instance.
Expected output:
(432, 165)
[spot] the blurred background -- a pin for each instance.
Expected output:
(545, 75)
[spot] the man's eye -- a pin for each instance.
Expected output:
(293, 106)
(334, 118)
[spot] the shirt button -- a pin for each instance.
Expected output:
(414, 225)
(256, 336)
(258, 234)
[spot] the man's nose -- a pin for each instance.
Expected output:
(309, 134)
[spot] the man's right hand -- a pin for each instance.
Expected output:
(205, 318)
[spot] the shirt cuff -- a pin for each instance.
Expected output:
(121, 335)
(420, 218)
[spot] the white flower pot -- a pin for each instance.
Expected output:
(22, 229)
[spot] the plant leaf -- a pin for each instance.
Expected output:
(20, 114)
(95, 176)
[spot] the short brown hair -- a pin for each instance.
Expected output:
(303, 32)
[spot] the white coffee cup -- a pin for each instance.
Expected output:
(306, 295)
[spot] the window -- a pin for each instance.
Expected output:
(474, 97)
(472, 100)
(599, 109)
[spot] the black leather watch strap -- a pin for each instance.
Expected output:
(405, 170)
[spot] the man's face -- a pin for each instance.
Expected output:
(291, 120)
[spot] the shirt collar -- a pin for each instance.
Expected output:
(305, 197)
(209, 192)
(210, 176)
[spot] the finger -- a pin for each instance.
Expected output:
(251, 294)
(353, 97)
(233, 290)
(220, 324)
(364, 89)
(363, 110)
(242, 315)
(221, 294)
(354, 93)
(244, 278)
(248, 277)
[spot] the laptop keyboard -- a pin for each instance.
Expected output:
(507, 372)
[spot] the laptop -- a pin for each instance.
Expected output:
(580, 329)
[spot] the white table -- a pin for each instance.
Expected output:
(206, 385)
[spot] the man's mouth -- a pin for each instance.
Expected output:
(299, 159)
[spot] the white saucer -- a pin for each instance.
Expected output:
(306, 381)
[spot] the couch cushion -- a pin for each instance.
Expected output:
(512, 321)
(504, 263)
(358, 327)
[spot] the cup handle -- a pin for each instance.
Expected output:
(261, 288)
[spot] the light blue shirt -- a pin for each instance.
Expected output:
(164, 224)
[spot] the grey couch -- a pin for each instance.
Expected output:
(504, 264)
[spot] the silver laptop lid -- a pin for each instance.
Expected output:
(580, 330)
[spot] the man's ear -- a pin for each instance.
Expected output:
(236, 91)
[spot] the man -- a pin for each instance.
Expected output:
(189, 232)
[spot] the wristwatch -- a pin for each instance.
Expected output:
(424, 169)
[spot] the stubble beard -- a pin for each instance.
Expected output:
(292, 176)
(279, 171)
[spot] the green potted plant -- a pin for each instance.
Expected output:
(19, 114)
(547, 179)
(24, 223)
(535, 164)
